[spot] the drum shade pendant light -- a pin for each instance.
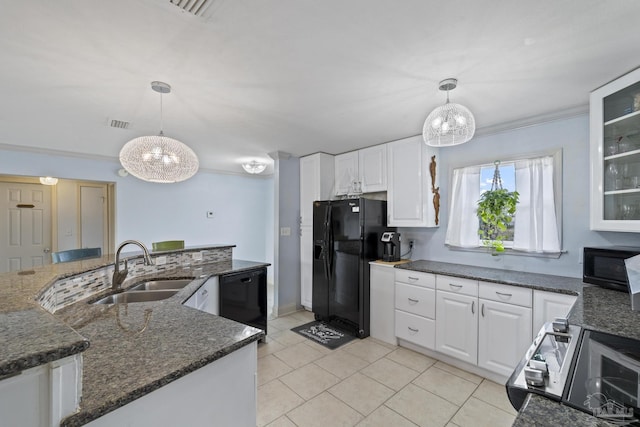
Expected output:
(449, 124)
(158, 158)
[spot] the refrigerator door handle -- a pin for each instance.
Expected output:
(329, 243)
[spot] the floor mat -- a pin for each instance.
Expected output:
(326, 335)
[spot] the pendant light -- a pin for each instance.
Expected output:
(158, 158)
(254, 167)
(449, 124)
(48, 180)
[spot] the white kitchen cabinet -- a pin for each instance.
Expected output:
(415, 307)
(504, 334)
(410, 200)
(207, 297)
(316, 183)
(306, 266)
(457, 325)
(372, 168)
(615, 154)
(347, 174)
(549, 305)
(42, 396)
(382, 310)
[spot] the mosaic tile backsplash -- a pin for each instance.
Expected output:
(71, 289)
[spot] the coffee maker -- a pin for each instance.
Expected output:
(391, 241)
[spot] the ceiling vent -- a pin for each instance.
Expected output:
(120, 124)
(194, 7)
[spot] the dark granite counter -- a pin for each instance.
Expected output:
(543, 282)
(596, 308)
(129, 349)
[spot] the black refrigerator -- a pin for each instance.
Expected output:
(346, 237)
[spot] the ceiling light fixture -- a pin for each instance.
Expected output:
(449, 124)
(158, 158)
(254, 167)
(48, 180)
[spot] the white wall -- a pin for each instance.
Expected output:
(572, 136)
(148, 212)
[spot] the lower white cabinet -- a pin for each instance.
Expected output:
(457, 325)
(415, 307)
(306, 266)
(207, 297)
(503, 335)
(549, 305)
(42, 396)
(382, 323)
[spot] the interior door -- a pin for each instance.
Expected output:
(344, 292)
(93, 215)
(25, 226)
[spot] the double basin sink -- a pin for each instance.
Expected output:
(152, 290)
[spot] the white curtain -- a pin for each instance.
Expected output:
(536, 228)
(462, 229)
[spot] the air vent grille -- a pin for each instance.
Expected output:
(120, 124)
(194, 7)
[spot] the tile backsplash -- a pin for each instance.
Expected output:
(71, 289)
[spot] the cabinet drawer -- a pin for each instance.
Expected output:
(505, 293)
(416, 278)
(457, 285)
(416, 329)
(416, 300)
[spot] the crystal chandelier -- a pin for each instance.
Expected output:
(158, 158)
(254, 167)
(449, 124)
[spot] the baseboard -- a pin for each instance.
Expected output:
(283, 310)
(497, 378)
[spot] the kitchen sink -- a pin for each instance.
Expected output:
(163, 284)
(137, 296)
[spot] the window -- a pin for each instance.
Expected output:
(536, 228)
(508, 182)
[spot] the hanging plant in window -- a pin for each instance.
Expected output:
(496, 209)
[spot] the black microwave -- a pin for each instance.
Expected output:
(605, 266)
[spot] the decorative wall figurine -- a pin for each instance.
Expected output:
(435, 190)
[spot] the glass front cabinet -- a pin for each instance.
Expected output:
(615, 155)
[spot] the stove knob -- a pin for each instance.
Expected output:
(561, 324)
(540, 365)
(534, 377)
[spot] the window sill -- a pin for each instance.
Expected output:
(508, 251)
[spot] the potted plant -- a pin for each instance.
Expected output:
(496, 209)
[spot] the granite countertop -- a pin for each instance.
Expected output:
(596, 308)
(129, 349)
(543, 282)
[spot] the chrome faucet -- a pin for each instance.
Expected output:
(119, 276)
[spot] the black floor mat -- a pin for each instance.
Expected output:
(326, 335)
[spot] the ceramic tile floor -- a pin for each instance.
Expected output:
(367, 383)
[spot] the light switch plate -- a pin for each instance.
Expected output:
(209, 214)
(285, 231)
(161, 260)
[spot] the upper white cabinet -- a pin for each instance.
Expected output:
(316, 183)
(362, 171)
(615, 155)
(347, 174)
(410, 199)
(372, 168)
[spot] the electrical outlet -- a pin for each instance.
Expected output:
(209, 214)
(161, 260)
(196, 256)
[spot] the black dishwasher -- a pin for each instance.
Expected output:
(243, 297)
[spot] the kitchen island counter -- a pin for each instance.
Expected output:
(129, 350)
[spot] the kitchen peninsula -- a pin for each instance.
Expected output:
(190, 365)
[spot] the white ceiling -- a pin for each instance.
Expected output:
(298, 76)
